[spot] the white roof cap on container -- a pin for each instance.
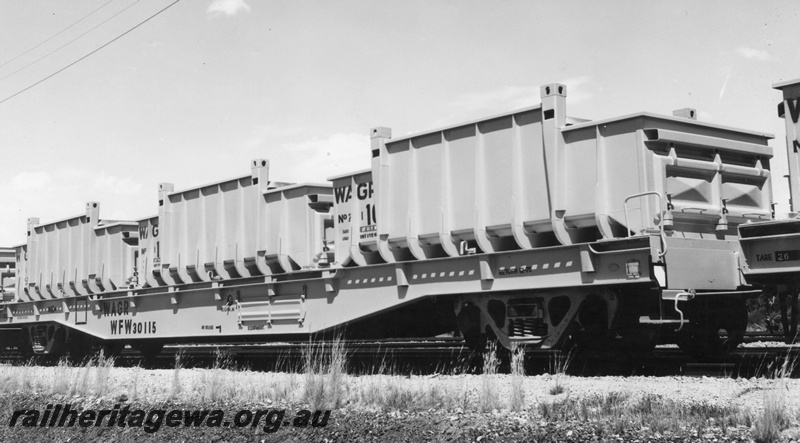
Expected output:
(297, 186)
(783, 84)
(349, 174)
(138, 220)
(111, 223)
(665, 117)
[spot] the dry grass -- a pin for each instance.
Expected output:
(323, 383)
(324, 370)
(490, 398)
(135, 395)
(774, 418)
(616, 411)
(102, 367)
(91, 379)
(395, 393)
(215, 381)
(175, 387)
(560, 362)
(517, 400)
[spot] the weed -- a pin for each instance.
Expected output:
(773, 417)
(397, 396)
(559, 364)
(102, 373)
(490, 399)
(615, 412)
(175, 389)
(324, 371)
(61, 377)
(517, 401)
(456, 395)
(135, 394)
(80, 385)
(557, 387)
(215, 380)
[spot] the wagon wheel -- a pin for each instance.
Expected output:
(79, 347)
(715, 330)
(112, 348)
(149, 349)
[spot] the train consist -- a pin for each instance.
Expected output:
(529, 228)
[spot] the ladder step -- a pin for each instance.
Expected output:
(655, 321)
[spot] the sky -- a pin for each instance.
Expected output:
(192, 95)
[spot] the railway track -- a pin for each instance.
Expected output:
(450, 355)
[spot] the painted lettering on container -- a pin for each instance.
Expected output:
(345, 193)
(367, 216)
(144, 231)
(794, 109)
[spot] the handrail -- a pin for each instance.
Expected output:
(660, 219)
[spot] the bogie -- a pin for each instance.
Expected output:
(595, 320)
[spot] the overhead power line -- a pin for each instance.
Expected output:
(89, 54)
(58, 33)
(69, 42)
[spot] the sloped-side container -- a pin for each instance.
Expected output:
(292, 228)
(237, 228)
(113, 258)
(701, 180)
(76, 256)
(207, 232)
(534, 178)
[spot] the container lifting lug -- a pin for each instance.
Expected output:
(668, 219)
(723, 219)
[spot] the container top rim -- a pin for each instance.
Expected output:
(465, 123)
(296, 186)
(785, 83)
(665, 117)
(348, 174)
